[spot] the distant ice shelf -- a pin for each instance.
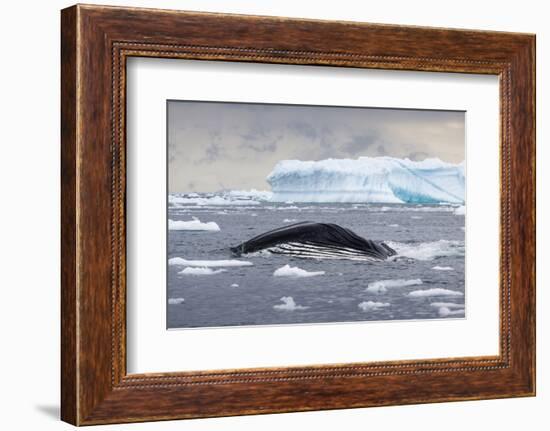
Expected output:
(368, 179)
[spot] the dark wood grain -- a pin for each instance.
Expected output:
(69, 367)
(96, 41)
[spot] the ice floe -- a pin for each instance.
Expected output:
(175, 301)
(194, 224)
(208, 263)
(294, 271)
(224, 198)
(446, 304)
(289, 304)
(190, 270)
(382, 286)
(436, 291)
(443, 268)
(446, 311)
(428, 250)
(371, 305)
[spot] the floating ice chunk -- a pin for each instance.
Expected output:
(428, 250)
(446, 311)
(461, 210)
(368, 179)
(200, 271)
(257, 195)
(436, 291)
(294, 271)
(210, 201)
(446, 304)
(194, 224)
(418, 208)
(208, 263)
(289, 304)
(175, 301)
(443, 268)
(371, 305)
(383, 285)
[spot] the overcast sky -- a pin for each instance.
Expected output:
(214, 146)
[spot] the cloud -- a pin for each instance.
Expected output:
(260, 144)
(359, 144)
(418, 155)
(212, 152)
(381, 150)
(303, 129)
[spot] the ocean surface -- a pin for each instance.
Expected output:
(206, 288)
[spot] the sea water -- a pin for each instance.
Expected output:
(208, 287)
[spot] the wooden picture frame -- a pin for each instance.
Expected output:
(95, 43)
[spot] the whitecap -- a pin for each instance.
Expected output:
(234, 285)
(371, 305)
(200, 271)
(289, 220)
(443, 268)
(208, 263)
(194, 224)
(289, 304)
(382, 286)
(294, 271)
(436, 291)
(393, 225)
(175, 301)
(428, 250)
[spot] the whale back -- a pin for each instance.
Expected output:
(324, 237)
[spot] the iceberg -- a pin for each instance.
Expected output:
(368, 179)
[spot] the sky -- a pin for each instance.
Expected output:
(216, 146)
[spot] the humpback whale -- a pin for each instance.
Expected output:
(316, 240)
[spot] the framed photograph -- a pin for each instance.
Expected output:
(263, 214)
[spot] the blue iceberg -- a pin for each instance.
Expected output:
(368, 179)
